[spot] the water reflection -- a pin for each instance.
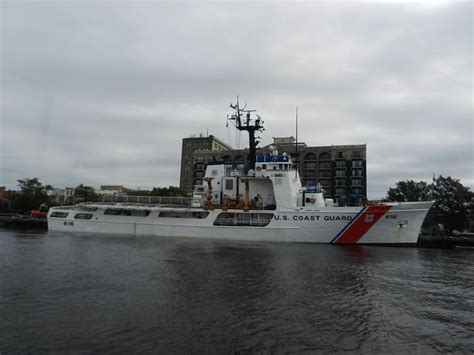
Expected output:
(103, 294)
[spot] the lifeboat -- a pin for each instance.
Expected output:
(42, 212)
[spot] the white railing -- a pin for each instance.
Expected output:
(161, 200)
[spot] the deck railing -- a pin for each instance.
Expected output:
(165, 200)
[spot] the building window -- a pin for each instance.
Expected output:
(310, 182)
(356, 182)
(325, 183)
(357, 155)
(340, 191)
(340, 155)
(310, 165)
(324, 156)
(357, 163)
(310, 173)
(323, 174)
(310, 156)
(340, 182)
(324, 165)
(340, 164)
(340, 173)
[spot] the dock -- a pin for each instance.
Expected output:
(446, 241)
(19, 221)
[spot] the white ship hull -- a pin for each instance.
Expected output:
(375, 224)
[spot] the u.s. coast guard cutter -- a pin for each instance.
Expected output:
(266, 202)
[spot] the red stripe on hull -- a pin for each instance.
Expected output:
(361, 226)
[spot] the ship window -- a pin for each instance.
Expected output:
(126, 212)
(264, 166)
(83, 216)
(229, 184)
(243, 219)
(183, 214)
(140, 213)
(59, 214)
(88, 209)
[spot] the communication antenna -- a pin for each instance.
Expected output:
(243, 121)
(296, 145)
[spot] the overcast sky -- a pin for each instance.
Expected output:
(103, 92)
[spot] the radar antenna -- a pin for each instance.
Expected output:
(243, 121)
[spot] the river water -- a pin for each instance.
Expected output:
(105, 294)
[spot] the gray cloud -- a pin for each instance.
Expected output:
(101, 92)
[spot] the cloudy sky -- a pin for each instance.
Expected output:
(101, 92)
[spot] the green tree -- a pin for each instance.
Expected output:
(409, 190)
(453, 207)
(172, 191)
(31, 195)
(453, 203)
(85, 194)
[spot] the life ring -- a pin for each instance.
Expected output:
(259, 168)
(312, 200)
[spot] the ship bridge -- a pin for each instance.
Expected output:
(274, 162)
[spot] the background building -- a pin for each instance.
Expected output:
(192, 144)
(340, 169)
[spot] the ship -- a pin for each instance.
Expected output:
(265, 201)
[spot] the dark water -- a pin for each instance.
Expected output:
(99, 294)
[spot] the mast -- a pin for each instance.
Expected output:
(243, 121)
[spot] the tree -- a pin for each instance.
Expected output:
(409, 190)
(453, 206)
(85, 194)
(32, 194)
(172, 191)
